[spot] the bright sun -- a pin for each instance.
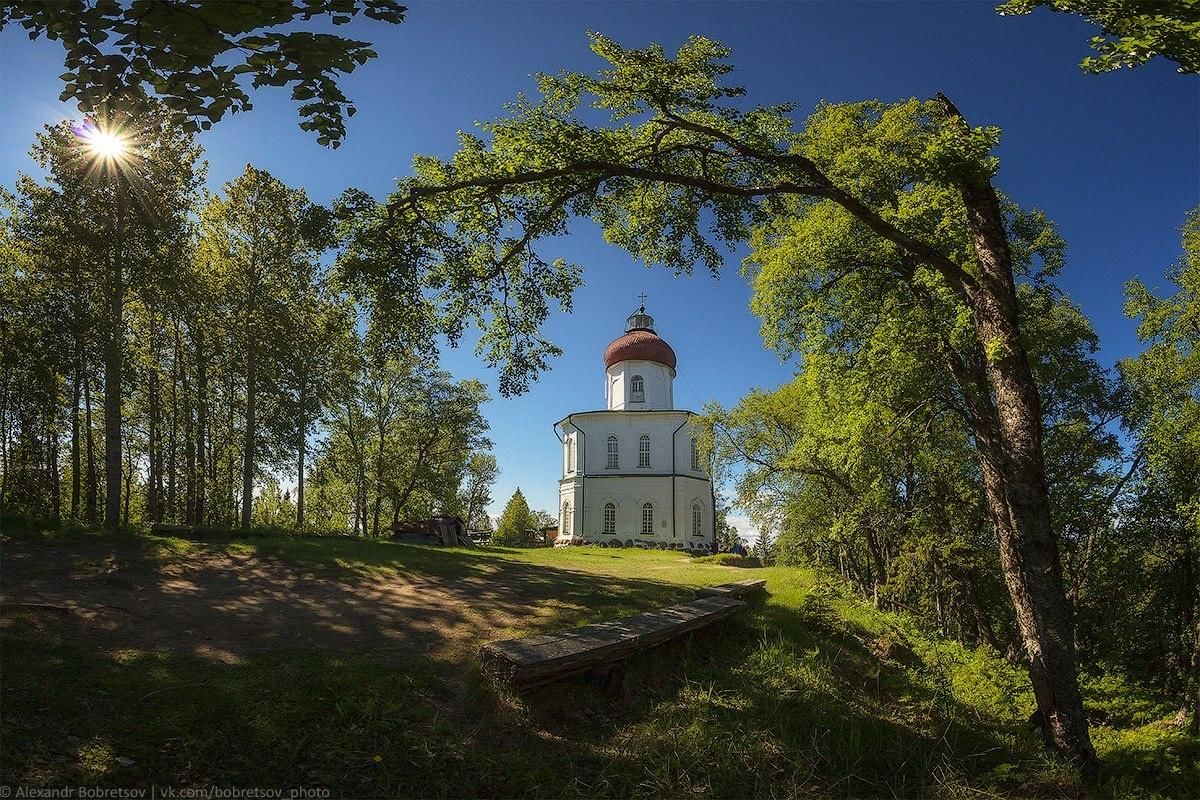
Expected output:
(107, 145)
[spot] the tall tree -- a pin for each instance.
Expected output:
(122, 190)
(196, 56)
(680, 164)
(1165, 417)
(262, 238)
(476, 494)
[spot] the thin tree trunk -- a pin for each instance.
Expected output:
(4, 417)
(52, 464)
(201, 473)
(248, 444)
(173, 439)
(153, 456)
(301, 456)
(114, 349)
(90, 499)
(128, 486)
(76, 395)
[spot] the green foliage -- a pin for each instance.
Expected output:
(1135, 31)
(515, 522)
(196, 56)
(241, 356)
(865, 462)
(1142, 587)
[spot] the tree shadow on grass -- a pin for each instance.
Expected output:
(228, 603)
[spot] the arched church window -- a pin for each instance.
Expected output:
(697, 529)
(637, 389)
(643, 450)
(647, 519)
(566, 518)
(614, 453)
(610, 519)
(695, 456)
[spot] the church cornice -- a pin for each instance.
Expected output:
(622, 412)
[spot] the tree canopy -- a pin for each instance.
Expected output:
(1135, 31)
(196, 56)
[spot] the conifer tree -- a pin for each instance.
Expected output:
(515, 521)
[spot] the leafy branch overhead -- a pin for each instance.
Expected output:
(678, 176)
(1135, 31)
(196, 56)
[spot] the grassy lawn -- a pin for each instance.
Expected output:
(805, 693)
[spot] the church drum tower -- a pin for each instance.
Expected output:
(631, 472)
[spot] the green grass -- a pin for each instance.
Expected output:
(806, 693)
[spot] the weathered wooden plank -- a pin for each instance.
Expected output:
(540, 659)
(738, 589)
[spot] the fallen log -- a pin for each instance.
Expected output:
(738, 589)
(535, 660)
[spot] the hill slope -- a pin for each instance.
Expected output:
(809, 692)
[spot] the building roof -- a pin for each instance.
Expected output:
(639, 343)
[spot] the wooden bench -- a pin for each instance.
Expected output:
(535, 660)
(739, 589)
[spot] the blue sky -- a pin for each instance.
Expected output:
(1113, 159)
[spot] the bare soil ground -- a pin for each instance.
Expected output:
(224, 606)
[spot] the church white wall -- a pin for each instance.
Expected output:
(658, 381)
(592, 483)
(585, 443)
(588, 496)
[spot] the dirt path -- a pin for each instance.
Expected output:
(225, 606)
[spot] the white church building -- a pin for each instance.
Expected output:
(632, 472)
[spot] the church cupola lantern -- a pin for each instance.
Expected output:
(639, 367)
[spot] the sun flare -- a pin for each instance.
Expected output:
(107, 145)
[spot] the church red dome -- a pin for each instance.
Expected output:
(639, 345)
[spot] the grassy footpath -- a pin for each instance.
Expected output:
(808, 693)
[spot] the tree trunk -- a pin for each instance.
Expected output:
(153, 446)
(303, 453)
(90, 499)
(114, 350)
(4, 465)
(76, 396)
(201, 474)
(52, 465)
(128, 486)
(1008, 431)
(173, 439)
(300, 479)
(248, 443)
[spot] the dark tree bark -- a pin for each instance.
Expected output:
(76, 465)
(91, 505)
(114, 352)
(128, 491)
(250, 435)
(173, 438)
(52, 467)
(301, 457)
(153, 439)
(200, 476)
(1014, 471)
